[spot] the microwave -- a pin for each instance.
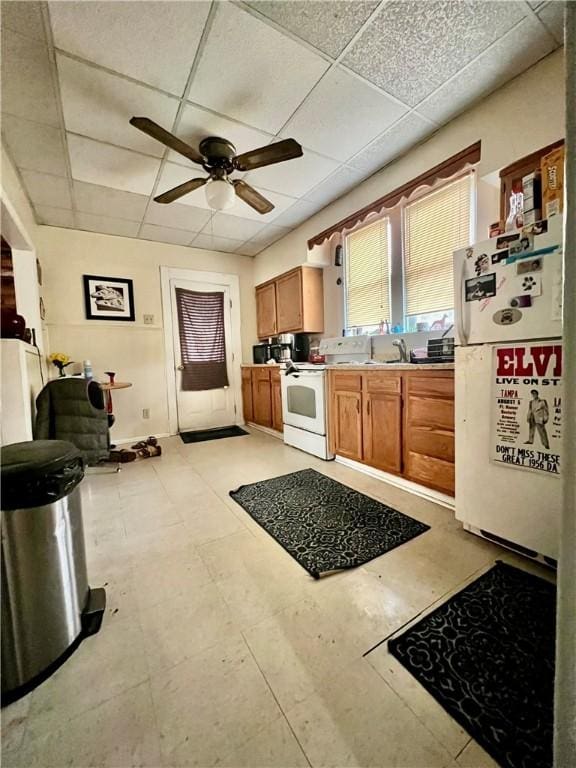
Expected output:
(261, 353)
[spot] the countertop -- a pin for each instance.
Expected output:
(370, 366)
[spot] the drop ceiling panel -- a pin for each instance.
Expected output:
(509, 56)
(411, 47)
(34, 146)
(107, 225)
(252, 72)
(267, 236)
(104, 201)
(24, 17)
(295, 177)
(281, 203)
(196, 124)
(552, 15)
(393, 142)
(154, 42)
(44, 189)
(166, 234)
(27, 87)
(109, 166)
(233, 227)
(358, 110)
(326, 24)
(177, 216)
(100, 105)
(209, 243)
(335, 185)
(54, 217)
(297, 213)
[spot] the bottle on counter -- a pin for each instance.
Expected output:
(88, 374)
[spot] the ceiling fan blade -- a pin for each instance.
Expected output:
(254, 199)
(272, 153)
(156, 131)
(180, 191)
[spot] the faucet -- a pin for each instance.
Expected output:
(401, 344)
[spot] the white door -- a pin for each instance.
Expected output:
(202, 408)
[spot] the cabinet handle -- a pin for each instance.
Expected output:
(368, 407)
(358, 405)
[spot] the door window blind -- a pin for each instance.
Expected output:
(434, 227)
(368, 275)
(202, 339)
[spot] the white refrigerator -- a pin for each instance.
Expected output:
(508, 388)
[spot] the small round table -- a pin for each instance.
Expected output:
(107, 387)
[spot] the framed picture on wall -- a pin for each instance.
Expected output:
(108, 298)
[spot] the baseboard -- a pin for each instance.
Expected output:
(267, 430)
(132, 440)
(400, 482)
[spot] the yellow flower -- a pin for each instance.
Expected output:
(59, 358)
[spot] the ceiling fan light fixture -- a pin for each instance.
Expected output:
(220, 194)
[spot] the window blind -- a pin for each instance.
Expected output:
(202, 339)
(368, 275)
(434, 227)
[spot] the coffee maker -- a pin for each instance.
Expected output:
(285, 343)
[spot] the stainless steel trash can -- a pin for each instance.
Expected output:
(47, 606)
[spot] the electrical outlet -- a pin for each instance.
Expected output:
(145, 413)
(148, 319)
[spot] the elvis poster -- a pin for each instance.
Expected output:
(526, 413)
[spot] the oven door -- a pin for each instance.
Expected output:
(304, 401)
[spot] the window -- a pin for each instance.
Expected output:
(399, 269)
(368, 278)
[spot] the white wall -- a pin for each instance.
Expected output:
(522, 116)
(133, 350)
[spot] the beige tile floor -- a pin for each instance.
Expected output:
(218, 649)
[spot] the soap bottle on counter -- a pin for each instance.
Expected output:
(88, 374)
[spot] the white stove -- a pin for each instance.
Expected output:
(304, 408)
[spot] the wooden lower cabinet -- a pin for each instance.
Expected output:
(261, 397)
(397, 421)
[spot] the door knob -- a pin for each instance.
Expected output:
(179, 367)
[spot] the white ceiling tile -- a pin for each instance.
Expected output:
(233, 227)
(106, 225)
(293, 177)
(172, 175)
(326, 24)
(166, 234)
(281, 203)
(54, 217)
(104, 201)
(110, 166)
(296, 214)
(154, 42)
(27, 87)
(252, 72)
(100, 105)
(268, 235)
(552, 16)
(341, 115)
(196, 124)
(177, 216)
(394, 142)
(208, 243)
(250, 249)
(412, 47)
(34, 146)
(336, 185)
(512, 54)
(24, 17)
(45, 189)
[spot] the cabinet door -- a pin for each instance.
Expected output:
(262, 397)
(277, 422)
(382, 433)
(266, 311)
(347, 424)
(289, 302)
(247, 406)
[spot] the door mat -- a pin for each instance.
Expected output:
(201, 435)
(323, 524)
(487, 656)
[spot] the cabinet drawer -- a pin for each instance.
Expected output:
(346, 381)
(430, 412)
(422, 384)
(261, 374)
(430, 471)
(382, 382)
(430, 441)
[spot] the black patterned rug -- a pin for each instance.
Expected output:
(201, 435)
(487, 656)
(323, 524)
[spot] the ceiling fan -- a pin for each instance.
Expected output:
(219, 159)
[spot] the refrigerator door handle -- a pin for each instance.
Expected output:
(461, 323)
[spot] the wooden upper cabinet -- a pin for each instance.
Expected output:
(298, 303)
(266, 310)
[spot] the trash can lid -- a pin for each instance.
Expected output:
(24, 461)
